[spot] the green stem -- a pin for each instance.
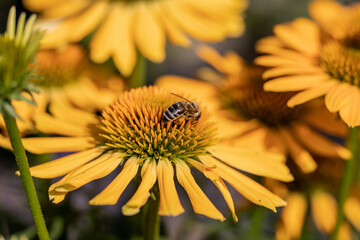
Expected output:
(347, 179)
(152, 219)
(256, 224)
(26, 178)
(138, 77)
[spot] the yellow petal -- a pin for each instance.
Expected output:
(293, 215)
(345, 232)
(75, 28)
(212, 174)
(291, 70)
(196, 26)
(251, 190)
(295, 83)
(351, 113)
(119, 43)
(40, 145)
(311, 93)
(255, 162)
(41, 5)
(324, 211)
(169, 201)
(96, 169)
(339, 97)
(65, 9)
(47, 124)
(319, 144)
(111, 194)
(352, 211)
(148, 179)
(300, 155)
(61, 166)
(149, 34)
(199, 201)
(276, 61)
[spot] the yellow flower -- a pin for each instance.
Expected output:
(123, 27)
(130, 133)
(302, 58)
(250, 117)
(316, 192)
(64, 79)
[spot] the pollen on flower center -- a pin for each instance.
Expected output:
(341, 62)
(248, 99)
(133, 125)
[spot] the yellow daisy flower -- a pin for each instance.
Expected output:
(131, 133)
(250, 117)
(316, 192)
(65, 79)
(121, 28)
(302, 58)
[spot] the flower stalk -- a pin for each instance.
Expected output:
(152, 219)
(26, 178)
(347, 179)
(138, 77)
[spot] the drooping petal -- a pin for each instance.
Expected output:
(320, 144)
(212, 174)
(255, 162)
(148, 179)
(199, 201)
(62, 166)
(338, 97)
(351, 113)
(111, 194)
(82, 175)
(291, 70)
(295, 83)
(324, 211)
(169, 201)
(40, 145)
(311, 93)
(251, 190)
(352, 211)
(293, 215)
(149, 34)
(300, 155)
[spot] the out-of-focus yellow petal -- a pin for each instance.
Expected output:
(300, 155)
(315, 91)
(148, 179)
(40, 145)
(212, 174)
(320, 144)
(255, 162)
(96, 169)
(295, 83)
(345, 232)
(41, 5)
(65, 9)
(111, 194)
(61, 166)
(169, 201)
(351, 113)
(148, 33)
(324, 211)
(47, 124)
(352, 211)
(251, 190)
(276, 61)
(293, 215)
(291, 70)
(339, 96)
(76, 28)
(199, 201)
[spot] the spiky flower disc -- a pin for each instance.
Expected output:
(18, 46)
(130, 133)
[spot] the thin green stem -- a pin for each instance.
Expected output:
(347, 179)
(152, 219)
(26, 178)
(256, 223)
(138, 77)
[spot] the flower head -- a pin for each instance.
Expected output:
(131, 133)
(18, 46)
(253, 118)
(316, 63)
(123, 27)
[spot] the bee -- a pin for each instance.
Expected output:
(182, 109)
